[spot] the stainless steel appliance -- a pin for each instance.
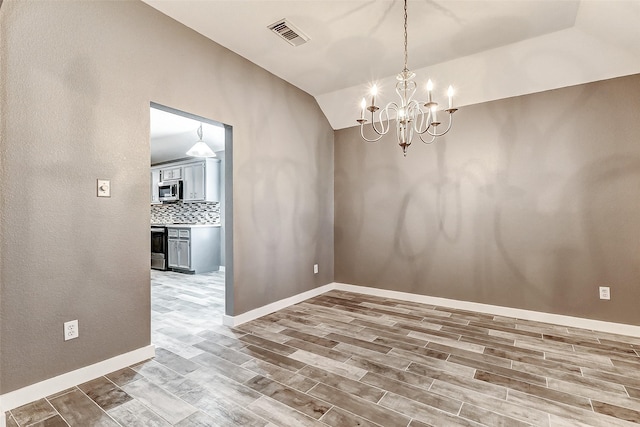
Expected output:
(170, 191)
(159, 248)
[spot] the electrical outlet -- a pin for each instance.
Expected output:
(70, 330)
(605, 292)
(315, 268)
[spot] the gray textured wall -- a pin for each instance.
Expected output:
(530, 202)
(77, 80)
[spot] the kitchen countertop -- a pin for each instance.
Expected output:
(185, 225)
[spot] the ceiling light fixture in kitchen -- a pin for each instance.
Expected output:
(411, 116)
(200, 148)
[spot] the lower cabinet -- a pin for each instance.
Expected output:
(184, 254)
(172, 256)
(194, 249)
(179, 254)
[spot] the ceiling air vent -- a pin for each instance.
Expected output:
(289, 32)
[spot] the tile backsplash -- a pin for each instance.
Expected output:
(188, 213)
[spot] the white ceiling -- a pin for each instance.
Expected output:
(172, 135)
(487, 49)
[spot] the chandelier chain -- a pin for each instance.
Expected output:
(406, 54)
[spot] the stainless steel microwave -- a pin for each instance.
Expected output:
(170, 191)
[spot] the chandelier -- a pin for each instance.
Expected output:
(411, 116)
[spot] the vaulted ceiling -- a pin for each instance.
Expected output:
(486, 49)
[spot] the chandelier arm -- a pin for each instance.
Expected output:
(367, 139)
(384, 114)
(382, 130)
(375, 129)
(436, 134)
(431, 141)
(424, 118)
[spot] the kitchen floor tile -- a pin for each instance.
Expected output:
(163, 403)
(297, 400)
(105, 393)
(80, 411)
(134, 413)
(123, 376)
(33, 412)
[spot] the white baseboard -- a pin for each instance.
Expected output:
(538, 316)
(274, 306)
(53, 385)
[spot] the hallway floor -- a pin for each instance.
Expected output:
(346, 359)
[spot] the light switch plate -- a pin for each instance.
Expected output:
(104, 188)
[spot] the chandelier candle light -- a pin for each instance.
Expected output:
(411, 116)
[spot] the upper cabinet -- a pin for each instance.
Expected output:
(155, 179)
(194, 182)
(171, 173)
(200, 179)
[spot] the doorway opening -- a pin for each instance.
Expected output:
(191, 233)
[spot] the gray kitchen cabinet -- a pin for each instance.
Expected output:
(155, 179)
(179, 240)
(194, 249)
(201, 181)
(171, 173)
(184, 254)
(193, 183)
(173, 253)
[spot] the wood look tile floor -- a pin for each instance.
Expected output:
(347, 359)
